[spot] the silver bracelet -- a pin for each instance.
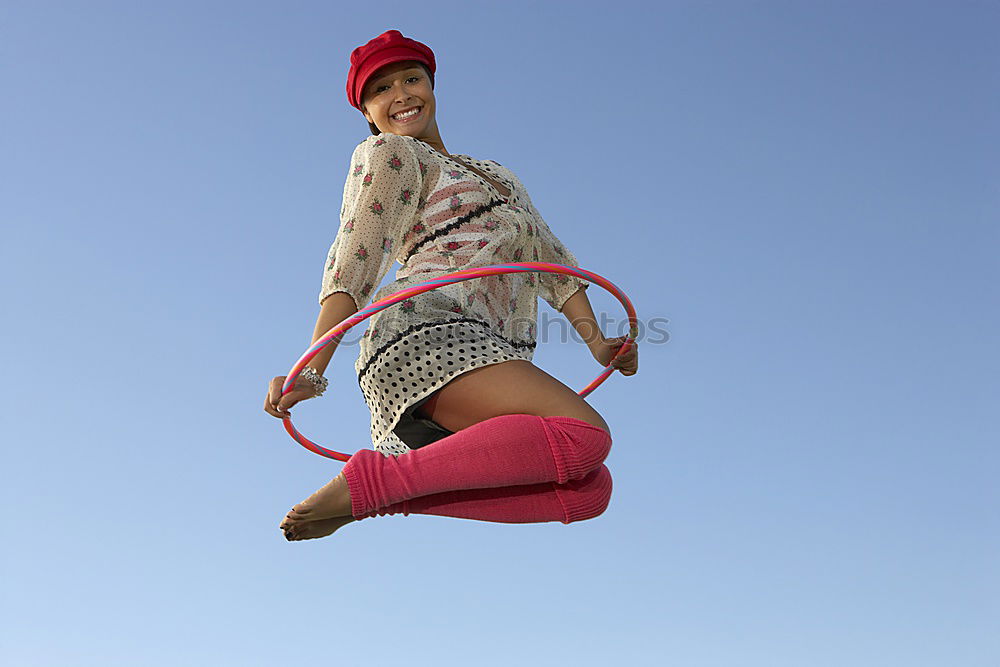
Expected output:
(318, 382)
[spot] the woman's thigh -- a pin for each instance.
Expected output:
(507, 388)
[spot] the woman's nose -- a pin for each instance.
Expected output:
(400, 92)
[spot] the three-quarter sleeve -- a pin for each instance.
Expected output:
(380, 202)
(554, 288)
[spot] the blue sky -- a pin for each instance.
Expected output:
(807, 195)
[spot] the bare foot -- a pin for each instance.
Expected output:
(333, 500)
(310, 530)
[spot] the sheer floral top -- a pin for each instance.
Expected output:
(406, 202)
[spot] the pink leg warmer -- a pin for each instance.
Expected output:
(576, 500)
(510, 450)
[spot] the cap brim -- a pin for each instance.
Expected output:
(387, 57)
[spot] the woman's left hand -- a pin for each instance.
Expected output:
(627, 363)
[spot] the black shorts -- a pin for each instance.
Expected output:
(416, 431)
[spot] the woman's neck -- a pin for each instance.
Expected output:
(436, 143)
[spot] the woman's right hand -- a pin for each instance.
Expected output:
(277, 405)
(627, 364)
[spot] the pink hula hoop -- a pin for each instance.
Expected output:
(448, 279)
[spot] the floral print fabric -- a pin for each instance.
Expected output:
(406, 202)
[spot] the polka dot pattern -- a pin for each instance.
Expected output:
(423, 361)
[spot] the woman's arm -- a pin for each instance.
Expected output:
(578, 311)
(380, 199)
(336, 308)
(580, 314)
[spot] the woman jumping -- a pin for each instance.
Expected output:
(462, 423)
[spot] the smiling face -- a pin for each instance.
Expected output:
(401, 87)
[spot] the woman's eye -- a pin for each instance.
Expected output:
(379, 88)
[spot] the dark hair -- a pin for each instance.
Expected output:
(371, 126)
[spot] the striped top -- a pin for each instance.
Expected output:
(406, 202)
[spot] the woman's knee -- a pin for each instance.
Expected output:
(577, 446)
(588, 497)
(595, 445)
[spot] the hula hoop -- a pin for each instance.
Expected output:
(448, 279)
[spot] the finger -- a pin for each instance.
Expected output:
(281, 406)
(274, 393)
(626, 357)
(626, 367)
(291, 398)
(270, 409)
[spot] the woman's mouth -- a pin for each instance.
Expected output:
(407, 116)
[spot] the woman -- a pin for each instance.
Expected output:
(463, 424)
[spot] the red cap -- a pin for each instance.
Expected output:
(389, 47)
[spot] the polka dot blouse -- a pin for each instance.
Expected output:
(406, 202)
